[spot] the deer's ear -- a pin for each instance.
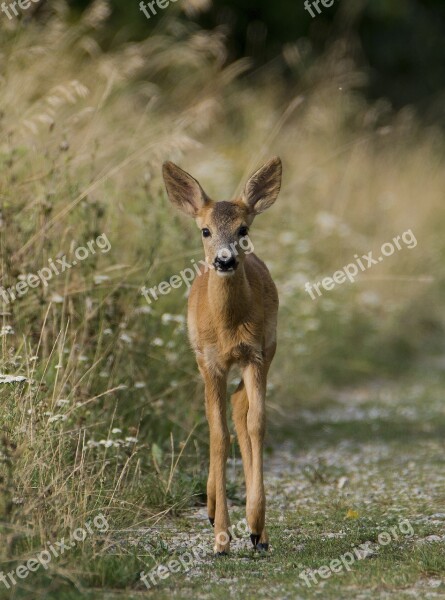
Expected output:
(263, 187)
(183, 190)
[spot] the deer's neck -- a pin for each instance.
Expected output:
(229, 297)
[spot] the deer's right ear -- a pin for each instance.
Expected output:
(183, 190)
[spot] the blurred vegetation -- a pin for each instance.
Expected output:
(110, 414)
(398, 44)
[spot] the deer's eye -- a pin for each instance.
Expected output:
(206, 232)
(243, 231)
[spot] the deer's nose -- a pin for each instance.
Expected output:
(224, 262)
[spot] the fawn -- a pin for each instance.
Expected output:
(232, 319)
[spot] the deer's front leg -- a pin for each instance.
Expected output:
(255, 382)
(215, 397)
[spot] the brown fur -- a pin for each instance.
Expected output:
(232, 321)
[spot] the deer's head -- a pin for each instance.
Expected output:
(224, 225)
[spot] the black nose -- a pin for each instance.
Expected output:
(225, 264)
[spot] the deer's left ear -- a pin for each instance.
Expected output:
(263, 187)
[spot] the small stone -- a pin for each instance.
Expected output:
(342, 482)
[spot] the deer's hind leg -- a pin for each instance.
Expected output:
(255, 378)
(240, 408)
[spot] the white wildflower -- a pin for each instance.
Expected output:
(327, 222)
(12, 378)
(56, 418)
(6, 330)
(106, 443)
(370, 298)
(62, 402)
(125, 338)
(312, 325)
(168, 318)
(98, 279)
(143, 310)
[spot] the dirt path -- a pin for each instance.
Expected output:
(356, 508)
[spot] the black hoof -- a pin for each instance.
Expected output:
(255, 539)
(263, 547)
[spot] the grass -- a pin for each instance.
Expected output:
(108, 415)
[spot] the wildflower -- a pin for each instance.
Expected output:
(131, 440)
(125, 338)
(143, 310)
(6, 330)
(56, 418)
(12, 378)
(106, 443)
(168, 318)
(98, 279)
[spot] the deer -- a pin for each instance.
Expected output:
(232, 320)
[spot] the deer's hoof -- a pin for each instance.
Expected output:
(263, 547)
(255, 538)
(212, 521)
